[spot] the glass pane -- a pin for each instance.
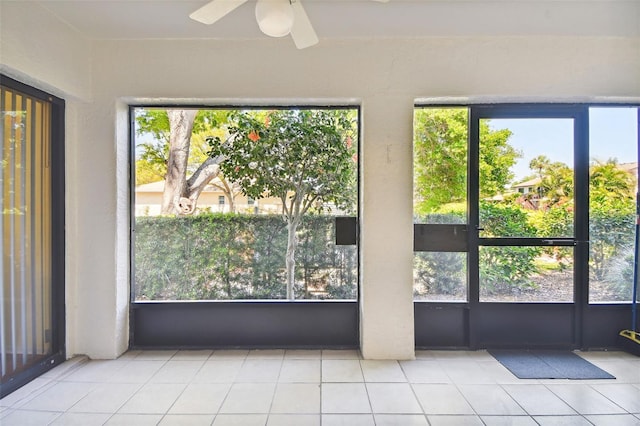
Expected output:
(613, 147)
(440, 165)
(440, 158)
(440, 276)
(249, 212)
(526, 178)
(25, 229)
(526, 274)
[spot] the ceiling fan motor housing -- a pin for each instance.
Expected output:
(275, 17)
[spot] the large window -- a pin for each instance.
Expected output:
(242, 203)
(527, 224)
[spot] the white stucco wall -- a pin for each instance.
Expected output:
(37, 47)
(384, 76)
(39, 50)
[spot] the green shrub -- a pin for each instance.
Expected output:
(506, 269)
(226, 257)
(439, 273)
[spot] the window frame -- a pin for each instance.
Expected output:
(247, 323)
(597, 324)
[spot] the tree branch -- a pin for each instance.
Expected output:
(308, 204)
(208, 170)
(285, 211)
(228, 191)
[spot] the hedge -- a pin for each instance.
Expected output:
(217, 256)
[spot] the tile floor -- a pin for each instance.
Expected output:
(329, 388)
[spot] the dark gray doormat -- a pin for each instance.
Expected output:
(539, 364)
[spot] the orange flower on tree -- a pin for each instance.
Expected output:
(254, 136)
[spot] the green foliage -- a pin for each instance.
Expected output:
(325, 271)
(496, 159)
(440, 158)
(506, 269)
(152, 155)
(611, 233)
(504, 220)
(556, 221)
(556, 186)
(439, 273)
(228, 257)
(304, 157)
(539, 164)
(440, 176)
(457, 210)
(154, 122)
(147, 172)
(611, 227)
(609, 185)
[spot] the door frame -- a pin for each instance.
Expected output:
(480, 325)
(544, 324)
(57, 249)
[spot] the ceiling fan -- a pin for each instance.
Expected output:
(276, 18)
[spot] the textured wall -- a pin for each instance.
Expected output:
(35, 46)
(384, 76)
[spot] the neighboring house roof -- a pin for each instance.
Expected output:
(159, 186)
(151, 187)
(629, 167)
(528, 183)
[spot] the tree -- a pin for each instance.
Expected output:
(440, 158)
(609, 183)
(611, 216)
(496, 159)
(171, 155)
(540, 164)
(147, 172)
(556, 186)
(305, 158)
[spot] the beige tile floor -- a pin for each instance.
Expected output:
(328, 388)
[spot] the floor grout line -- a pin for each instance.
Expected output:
(386, 372)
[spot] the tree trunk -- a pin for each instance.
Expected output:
(292, 243)
(180, 195)
(180, 128)
(197, 182)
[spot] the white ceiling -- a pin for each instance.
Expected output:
(168, 19)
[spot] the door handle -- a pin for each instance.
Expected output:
(559, 242)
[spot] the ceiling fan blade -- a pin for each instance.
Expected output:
(302, 31)
(214, 10)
